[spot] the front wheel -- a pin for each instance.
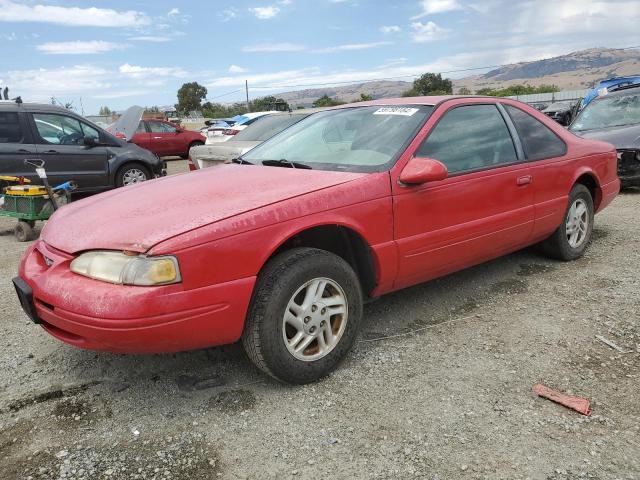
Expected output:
(304, 315)
(573, 236)
(131, 174)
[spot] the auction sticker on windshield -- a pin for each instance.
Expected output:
(404, 111)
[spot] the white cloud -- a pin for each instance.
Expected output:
(390, 29)
(237, 69)
(427, 32)
(429, 7)
(90, 47)
(350, 47)
(273, 47)
(285, 2)
(73, 16)
(150, 38)
(228, 14)
(9, 37)
(173, 11)
(265, 13)
(136, 71)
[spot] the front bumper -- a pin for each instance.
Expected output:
(629, 167)
(95, 315)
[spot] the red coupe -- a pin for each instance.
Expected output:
(282, 248)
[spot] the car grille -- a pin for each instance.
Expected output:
(628, 162)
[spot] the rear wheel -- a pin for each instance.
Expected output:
(304, 315)
(132, 173)
(573, 236)
(23, 231)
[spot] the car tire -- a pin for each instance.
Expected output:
(301, 280)
(23, 231)
(572, 237)
(132, 173)
(191, 145)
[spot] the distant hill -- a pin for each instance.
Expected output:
(574, 71)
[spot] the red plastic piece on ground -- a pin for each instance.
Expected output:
(579, 404)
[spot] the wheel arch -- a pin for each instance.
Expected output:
(590, 180)
(340, 239)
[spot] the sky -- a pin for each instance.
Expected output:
(123, 52)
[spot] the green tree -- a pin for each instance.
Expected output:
(268, 103)
(432, 84)
(154, 109)
(106, 111)
(326, 101)
(464, 91)
(365, 97)
(190, 97)
(513, 90)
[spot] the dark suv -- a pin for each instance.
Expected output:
(72, 147)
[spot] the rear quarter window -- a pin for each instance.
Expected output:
(10, 130)
(538, 141)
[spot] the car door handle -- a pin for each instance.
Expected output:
(525, 180)
(51, 151)
(158, 138)
(24, 150)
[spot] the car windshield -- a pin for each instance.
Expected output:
(609, 111)
(559, 106)
(357, 139)
(266, 127)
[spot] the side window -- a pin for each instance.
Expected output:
(141, 128)
(470, 138)
(156, 127)
(168, 128)
(538, 141)
(10, 131)
(89, 131)
(59, 129)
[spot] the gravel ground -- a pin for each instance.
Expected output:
(438, 386)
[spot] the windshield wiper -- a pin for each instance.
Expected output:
(241, 161)
(283, 162)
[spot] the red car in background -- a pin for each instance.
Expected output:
(282, 248)
(166, 139)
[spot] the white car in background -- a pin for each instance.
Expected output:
(217, 134)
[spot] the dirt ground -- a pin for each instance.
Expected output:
(438, 386)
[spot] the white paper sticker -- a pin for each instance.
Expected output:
(404, 111)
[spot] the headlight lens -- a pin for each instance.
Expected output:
(127, 269)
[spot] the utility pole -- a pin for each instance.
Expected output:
(246, 88)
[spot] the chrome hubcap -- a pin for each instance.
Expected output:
(577, 223)
(315, 319)
(133, 175)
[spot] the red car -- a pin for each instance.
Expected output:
(282, 248)
(166, 139)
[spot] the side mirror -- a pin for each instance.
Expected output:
(421, 170)
(90, 141)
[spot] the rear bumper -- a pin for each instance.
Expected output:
(609, 192)
(96, 315)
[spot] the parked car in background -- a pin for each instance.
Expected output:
(561, 112)
(218, 133)
(615, 118)
(263, 129)
(282, 248)
(609, 85)
(72, 148)
(166, 139)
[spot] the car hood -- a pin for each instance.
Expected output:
(140, 216)
(222, 152)
(626, 137)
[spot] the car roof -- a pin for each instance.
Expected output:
(32, 107)
(621, 92)
(425, 100)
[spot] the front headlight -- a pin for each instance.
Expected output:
(127, 269)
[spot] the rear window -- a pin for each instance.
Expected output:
(538, 141)
(268, 126)
(10, 131)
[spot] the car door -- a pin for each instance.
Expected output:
(164, 138)
(16, 145)
(484, 208)
(60, 143)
